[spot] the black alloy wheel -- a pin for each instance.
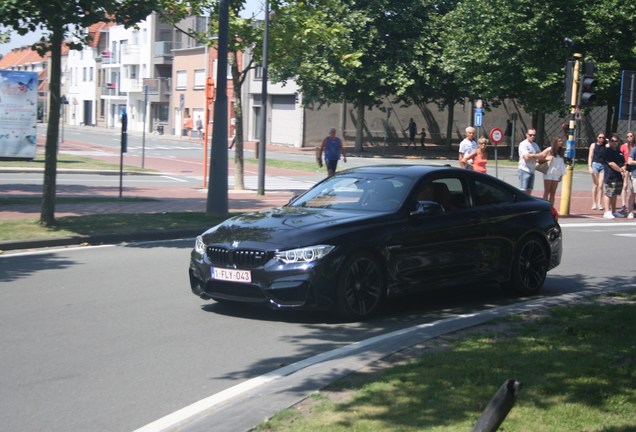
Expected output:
(361, 289)
(530, 266)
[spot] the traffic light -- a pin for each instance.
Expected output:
(568, 83)
(588, 83)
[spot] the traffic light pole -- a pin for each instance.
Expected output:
(566, 192)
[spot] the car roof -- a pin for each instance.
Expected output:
(396, 169)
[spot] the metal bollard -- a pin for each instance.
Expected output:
(499, 407)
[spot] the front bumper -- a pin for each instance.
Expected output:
(277, 285)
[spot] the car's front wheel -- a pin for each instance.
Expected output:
(530, 266)
(361, 287)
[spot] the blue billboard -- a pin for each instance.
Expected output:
(18, 114)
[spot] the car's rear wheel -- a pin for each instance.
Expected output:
(530, 266)
(361, 288)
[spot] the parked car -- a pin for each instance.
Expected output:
(370, 233)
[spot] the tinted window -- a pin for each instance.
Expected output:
(447, 191)
(487, 193)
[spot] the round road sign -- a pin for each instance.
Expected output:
(496, 135)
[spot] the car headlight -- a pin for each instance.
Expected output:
(199, 246)
(304, 255)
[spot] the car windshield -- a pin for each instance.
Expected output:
(348, 192)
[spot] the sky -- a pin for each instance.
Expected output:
(252, 7)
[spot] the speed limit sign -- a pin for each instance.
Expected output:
(496, 135)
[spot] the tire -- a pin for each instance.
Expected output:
(530, 266)
(361, 287)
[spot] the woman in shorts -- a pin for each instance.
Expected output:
(595, 165)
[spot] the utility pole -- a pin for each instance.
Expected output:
(217, 203)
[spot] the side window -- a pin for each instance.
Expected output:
(491, 194)
(448, 191)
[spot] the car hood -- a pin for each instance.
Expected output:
(284, 226)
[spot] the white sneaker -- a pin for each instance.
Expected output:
(608, 215)
(618, 215)
(594, 207)
(630, 216)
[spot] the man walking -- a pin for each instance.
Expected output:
(412, 129)
(332, 146)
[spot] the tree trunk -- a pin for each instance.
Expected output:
(47, 215)
(541, 138)
(450, 103)
(360, 128)
(239, 163)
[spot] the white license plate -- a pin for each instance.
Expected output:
(233, 275)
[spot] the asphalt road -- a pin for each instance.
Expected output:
(110, 338)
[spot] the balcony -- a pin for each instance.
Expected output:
(162, 53)
(111, 89)
(108, 58)
(130, 55)
(159, 89)
(131, 85)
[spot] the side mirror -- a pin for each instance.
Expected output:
(427, 208)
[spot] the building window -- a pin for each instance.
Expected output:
(199, 79)
(182, 80)
(258, 72)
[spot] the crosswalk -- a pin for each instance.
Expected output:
(274, 183)
(165, 147)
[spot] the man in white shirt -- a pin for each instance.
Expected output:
(467, 146)
(529, 154)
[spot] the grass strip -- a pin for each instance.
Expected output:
(577, 366)
(70, 161)
(69, 200)
(29, 228)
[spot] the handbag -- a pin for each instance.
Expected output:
(543, 167)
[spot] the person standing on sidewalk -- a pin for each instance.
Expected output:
(188, 124)
(556, 170)
(631, 169)
(614, 176)
(479, 156)
(333, 149)
(596, 167)
(466, 147)
(199, 125)
(625, 148)
(529, 154)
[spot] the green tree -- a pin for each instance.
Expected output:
(353, 51)
(499, 49)
(430, 82)
(607, 37)
(58, 20)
